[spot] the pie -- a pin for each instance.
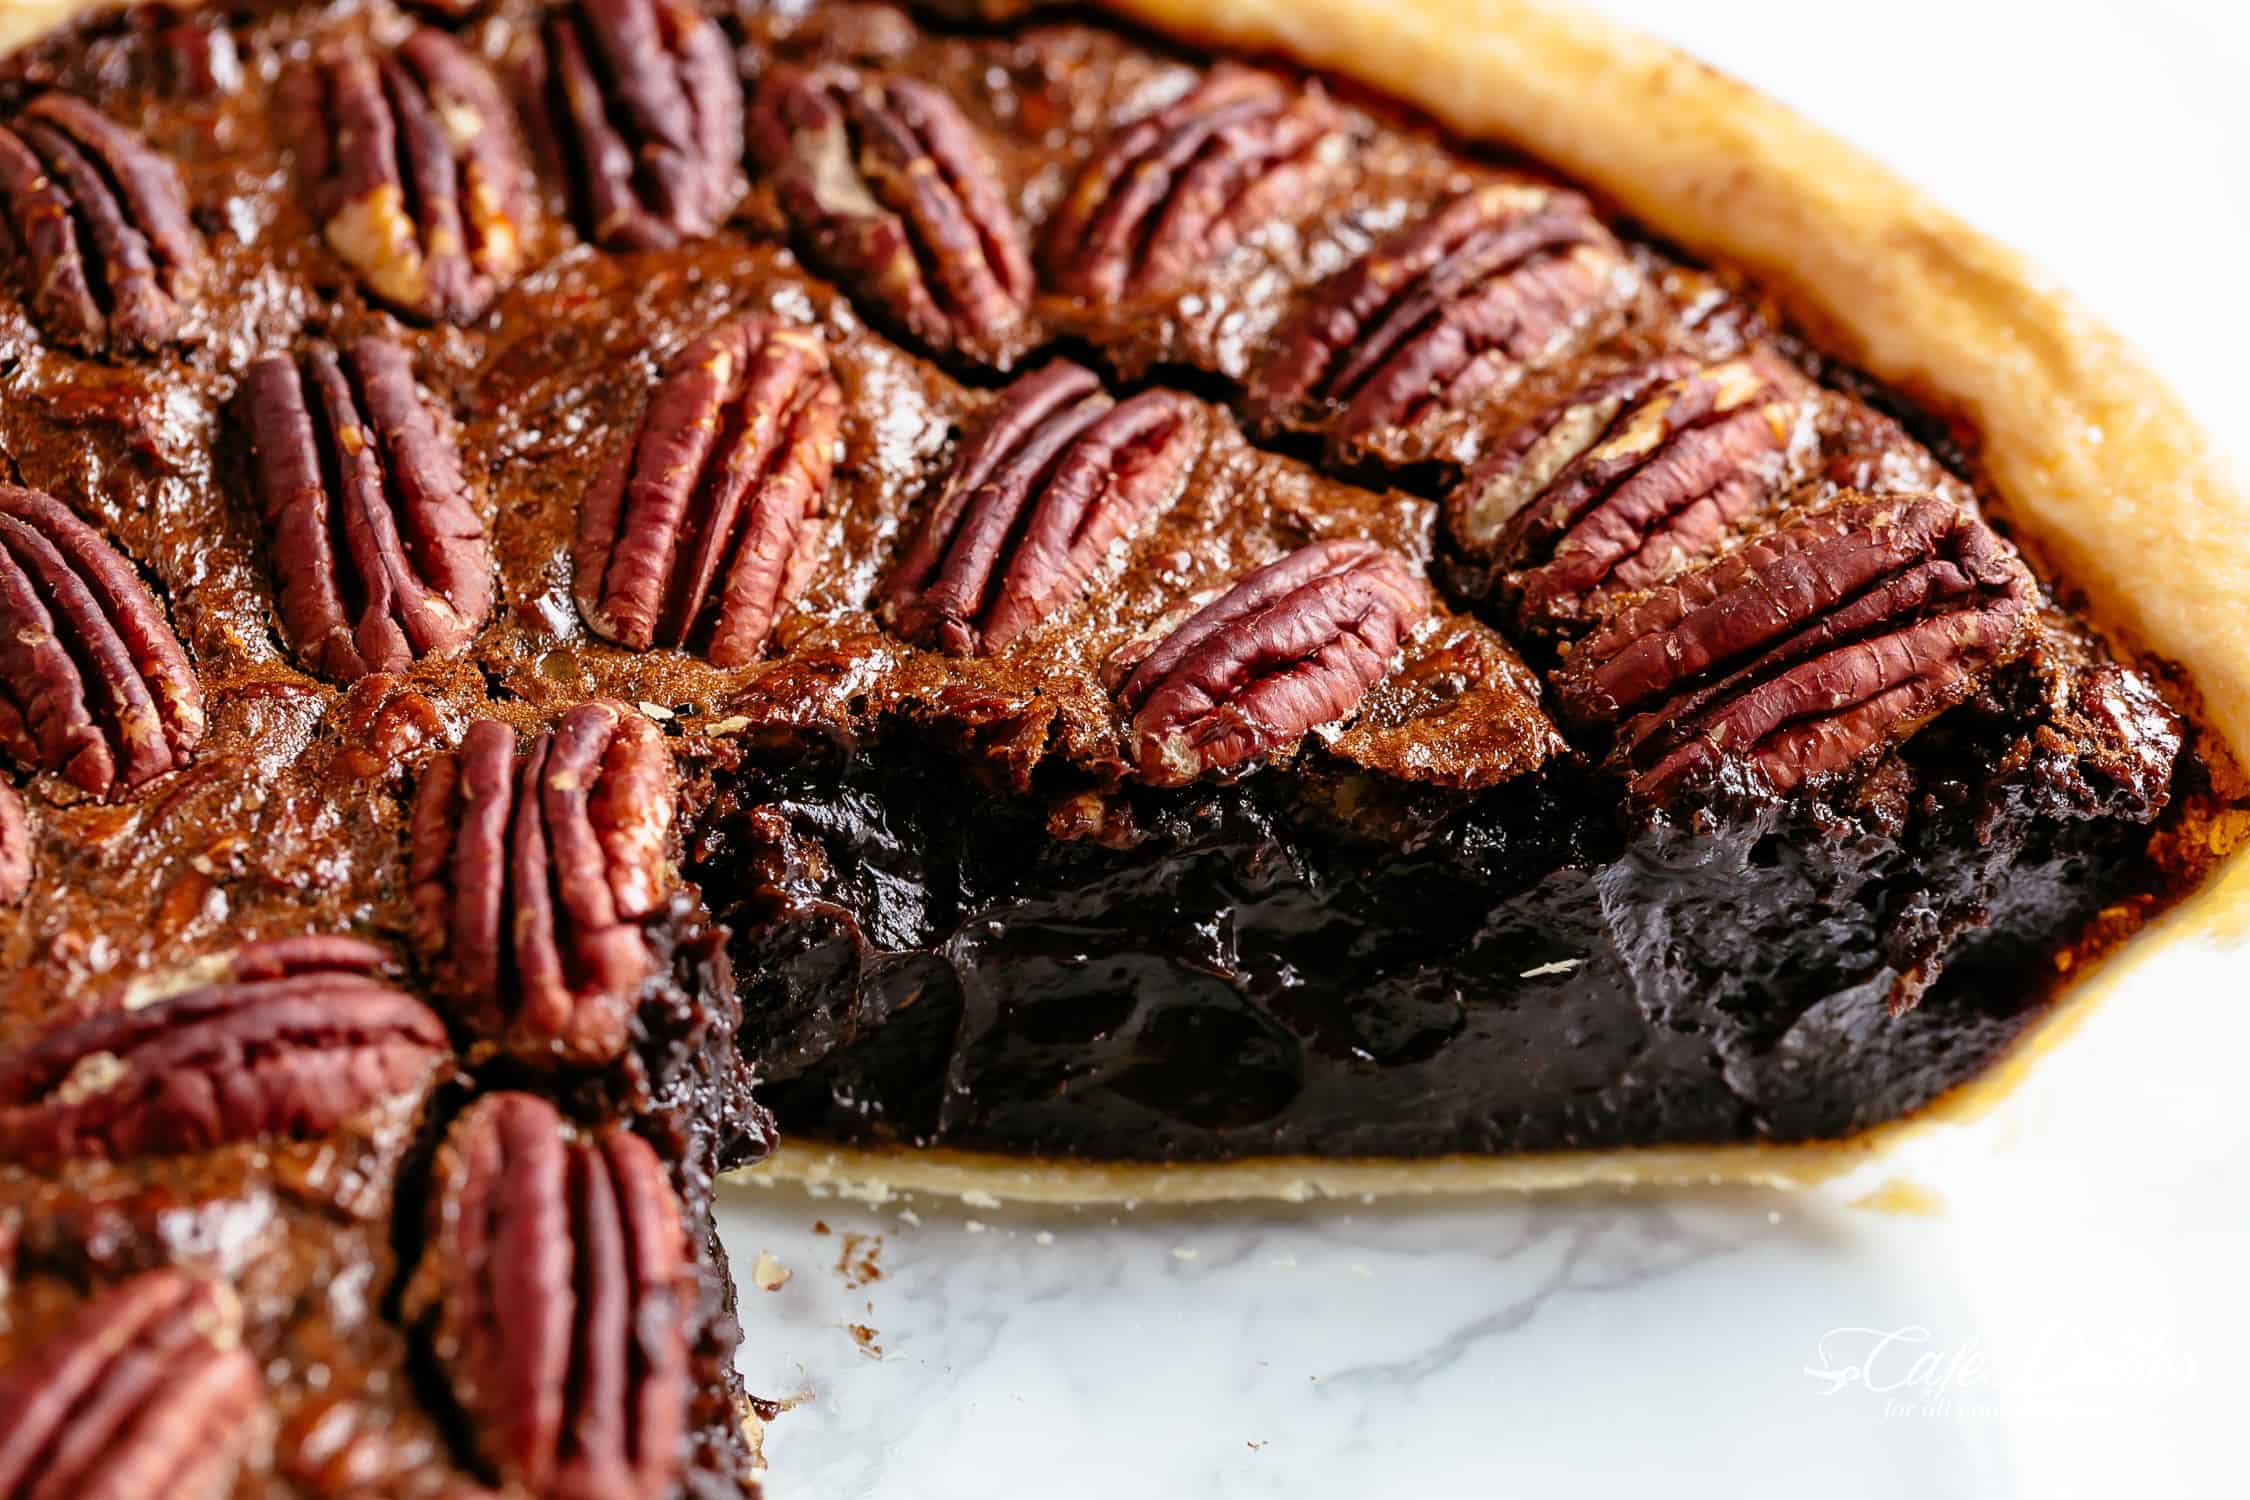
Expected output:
(1362, 598)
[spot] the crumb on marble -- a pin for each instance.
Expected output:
(768, 1274)
(860, 1260)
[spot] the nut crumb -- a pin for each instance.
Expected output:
(768, 1274)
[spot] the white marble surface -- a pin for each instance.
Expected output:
(2068, 1320)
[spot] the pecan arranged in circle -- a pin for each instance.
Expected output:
(1055, 477)
(288, 1038)
(1178, 189)
(529, 881)
(1806, 648)
(15, 847)
(104, 249)
(894, 194)
(93, 684)
(1435, 315)
(416, 172)
(147, 1390)
(1669, 471)
(640, 110)
(554, 1294)
(704, 527)
(379, 558)
(1292, 646)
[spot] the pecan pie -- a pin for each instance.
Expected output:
(1096, 617)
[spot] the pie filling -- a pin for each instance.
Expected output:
(1022, 590)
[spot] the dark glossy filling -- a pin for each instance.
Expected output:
(1312, 966)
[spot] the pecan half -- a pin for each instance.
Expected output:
(103, 245)
(528, 882)
(416, 172)
(700, 531)
(1290, 647)
(554, 1294)
(15, 847)
(1670, 469)
(379, 558)
(1436, 314)
(641, 110)
(288, 1038)
(1806, 648)
(147, 1390)
(1056, 476)
(1179, 188)
(893, 193)
(93, 684)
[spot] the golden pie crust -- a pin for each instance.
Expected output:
(2101, 472)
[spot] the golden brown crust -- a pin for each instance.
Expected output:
(2099, 467)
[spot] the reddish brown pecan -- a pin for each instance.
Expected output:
(379, 558)
(1435, 315)
(529, 882)
(1055, 477)
(416, 172)
(103, 245)
(1290, 647)
(15, 847)
(146, 1391)
(893, 192)
(701, 530)
(554, 1292)
(1179, 188)
(287, 1038)
(1805, 649)
(640, 108)
(198, 56)
(93, 684)
(1634, 481)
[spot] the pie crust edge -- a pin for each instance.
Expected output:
(2102, 472)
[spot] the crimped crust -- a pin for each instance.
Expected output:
(2101, 470)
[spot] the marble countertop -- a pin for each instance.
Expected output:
(2045, 1304)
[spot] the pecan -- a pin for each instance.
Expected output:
(200, 59)
(288, 1038)
(1179, 188)
(416, 173)
(104, 248)
(93, 684)
(15, 847)
(1437, 313)
(1288, 648)
(1667, 478)
(553, 1291)
(640, 109)
(1054, 478)
(894, 193)
(379, 558)
(528, 883)
(1804, 649)
(701, 530)
(147, 1390)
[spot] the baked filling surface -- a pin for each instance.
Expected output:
(1098, 621)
